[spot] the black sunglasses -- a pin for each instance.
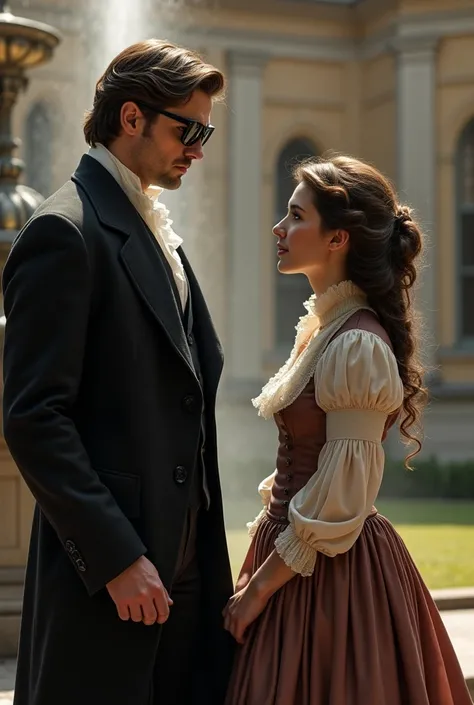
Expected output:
(195, 131)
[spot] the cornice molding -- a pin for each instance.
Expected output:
(275, 46)
(410, 35)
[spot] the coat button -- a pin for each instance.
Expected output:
(289, 476)
(288, 446)
(189, 403)
(190, 339)
(81, 566)
(288, 462)
(180, 475)
(70, 546)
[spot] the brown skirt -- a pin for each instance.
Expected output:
(363, 630)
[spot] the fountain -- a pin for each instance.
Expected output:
(24, 44)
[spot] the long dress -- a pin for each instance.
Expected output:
(357, 625)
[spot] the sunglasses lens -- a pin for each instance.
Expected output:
(207, 133)
(195, 132)
(192, 133)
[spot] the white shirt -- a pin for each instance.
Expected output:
(154, 213)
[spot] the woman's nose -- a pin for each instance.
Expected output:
(279, 231)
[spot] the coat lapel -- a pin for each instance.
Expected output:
(138, 254)
(210, 350)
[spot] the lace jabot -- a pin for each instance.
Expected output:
(326, 314)
(154, 213)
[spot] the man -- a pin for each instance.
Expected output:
(111, 368)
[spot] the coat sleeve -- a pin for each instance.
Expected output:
(358, 386)
(47, 284)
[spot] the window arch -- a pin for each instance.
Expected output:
(291, 290)
(38, 149)
(465, 245)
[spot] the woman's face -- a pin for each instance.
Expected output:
(303, 246)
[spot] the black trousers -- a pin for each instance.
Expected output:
(174, 673)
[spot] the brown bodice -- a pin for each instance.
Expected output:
(302, 432)
(301, 436)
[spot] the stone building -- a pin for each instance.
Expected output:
(391, 81)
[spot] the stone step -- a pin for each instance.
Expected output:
(12, 576)
(9, 633)
(449, 599)
(11, 596)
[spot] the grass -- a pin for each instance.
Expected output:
(438, 534)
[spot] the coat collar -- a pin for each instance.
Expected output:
(140, 257)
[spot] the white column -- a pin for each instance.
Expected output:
(244, 351)
(417, 162)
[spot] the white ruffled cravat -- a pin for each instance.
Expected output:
(154, 213)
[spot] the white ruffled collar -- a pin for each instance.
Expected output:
(326, 315)
(333, 303)
(146, 202)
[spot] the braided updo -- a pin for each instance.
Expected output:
(384, 244)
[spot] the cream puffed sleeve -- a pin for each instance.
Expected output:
(265, 492)
(358, 386)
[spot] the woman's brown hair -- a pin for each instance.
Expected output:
(384, 242)
(155, 72)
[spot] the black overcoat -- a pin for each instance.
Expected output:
(102, 414)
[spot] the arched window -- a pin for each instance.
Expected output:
(291, 290)
(38, 149)
(465, 248)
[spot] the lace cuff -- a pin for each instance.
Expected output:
(296, 553)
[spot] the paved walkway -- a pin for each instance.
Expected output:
(459, 623)
(7, 674)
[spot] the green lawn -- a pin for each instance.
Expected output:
(439, 536)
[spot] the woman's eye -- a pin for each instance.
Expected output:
(295, 216)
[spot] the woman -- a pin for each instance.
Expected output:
(329, 608)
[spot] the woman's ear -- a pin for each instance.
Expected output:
(339, 240)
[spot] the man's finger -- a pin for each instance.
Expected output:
(135, 612)
(149, 613)
(122, 611)
(162, 609)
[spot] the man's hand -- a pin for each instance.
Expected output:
(139, 594)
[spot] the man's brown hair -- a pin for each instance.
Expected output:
(156, 72)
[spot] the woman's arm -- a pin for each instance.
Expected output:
(250, 601)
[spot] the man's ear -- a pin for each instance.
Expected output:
(129, 118)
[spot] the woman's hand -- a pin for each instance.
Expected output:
(243, 609)
(250, 601)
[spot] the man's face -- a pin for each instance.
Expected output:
(159, 157)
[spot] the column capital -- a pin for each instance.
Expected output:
(248, 62)
(415, 48)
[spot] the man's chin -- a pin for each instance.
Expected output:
(170, 183)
